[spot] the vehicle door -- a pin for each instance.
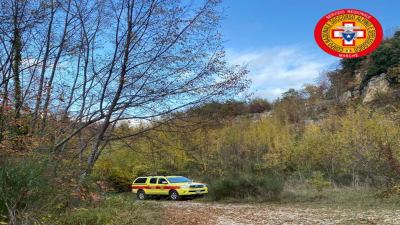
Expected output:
(152, 186)
(163, 186)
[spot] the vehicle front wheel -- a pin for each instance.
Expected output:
(173, 195)
(141, 195)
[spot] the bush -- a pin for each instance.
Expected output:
(117, 209)
(259, 105)
(22, 184)
(392, 190)
(394, 74)
(266, 187)
(318, 182)
(119, 183)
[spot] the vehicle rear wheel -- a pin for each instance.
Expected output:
(141, 195)
(173, 195)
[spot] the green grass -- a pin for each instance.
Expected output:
(122, 209)
(362, 198)
(304, 196)
(117, 209)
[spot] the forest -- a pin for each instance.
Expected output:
(96, 93)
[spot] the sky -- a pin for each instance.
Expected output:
(275, 39)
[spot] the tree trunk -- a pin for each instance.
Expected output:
(43, 72)
(53, 71)
(17, 58)
(100, 137)
(4, 104)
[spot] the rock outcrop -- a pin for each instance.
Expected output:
(345, 97)
(376, 86)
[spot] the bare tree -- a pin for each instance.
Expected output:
(93, 64)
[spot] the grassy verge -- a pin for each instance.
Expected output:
(303, 196)
(117, 209)
(362, 198)
(121, 209)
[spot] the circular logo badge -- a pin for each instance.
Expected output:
(348, 33)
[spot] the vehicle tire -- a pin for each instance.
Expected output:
(173, 195)
(140, 195)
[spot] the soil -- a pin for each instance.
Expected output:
(199, 213)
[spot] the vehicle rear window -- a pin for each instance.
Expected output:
(141, 180)
(153, 180)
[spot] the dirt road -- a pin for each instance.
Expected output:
(195, 213)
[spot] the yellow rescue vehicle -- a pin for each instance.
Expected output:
(174, 187)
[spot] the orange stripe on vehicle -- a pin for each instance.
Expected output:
(139, 187)
(171, 187)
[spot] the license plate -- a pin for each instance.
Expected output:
(198, 191)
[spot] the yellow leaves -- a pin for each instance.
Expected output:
(348, 141)
(335, 143)
(318, 182)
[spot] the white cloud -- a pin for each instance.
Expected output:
(275, 70)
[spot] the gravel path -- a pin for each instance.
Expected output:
(194, 213)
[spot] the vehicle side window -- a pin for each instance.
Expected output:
(141, 180)
(153, 180)
(162, 181)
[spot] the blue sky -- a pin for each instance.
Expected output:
(275, 38)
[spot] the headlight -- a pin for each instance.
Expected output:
(185, 186)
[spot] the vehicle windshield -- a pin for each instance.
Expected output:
(178, 179)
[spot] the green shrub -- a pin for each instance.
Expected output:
(116, 210)
(392, 190)
(318, 182)
(120, 183)
(266, 187)
(385, 57)
(394, 74)
(22, 184)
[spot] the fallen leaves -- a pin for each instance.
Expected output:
(180, 213)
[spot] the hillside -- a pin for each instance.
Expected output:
(375, 77)
(344, 130)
